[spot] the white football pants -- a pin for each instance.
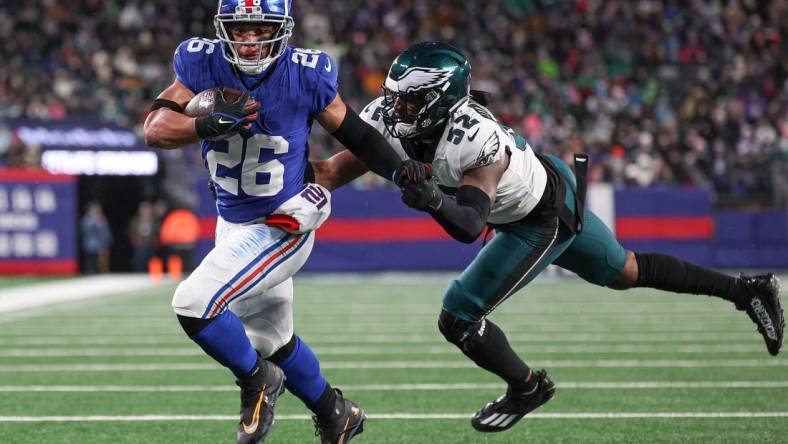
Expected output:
(250, 272)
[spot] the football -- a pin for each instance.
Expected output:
(202, 103)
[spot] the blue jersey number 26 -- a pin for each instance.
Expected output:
(251, 165)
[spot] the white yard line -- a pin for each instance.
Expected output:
(110, 337)
(398, 416)
(387, 351)
(355, 365)
(47, 293)
(396, 387)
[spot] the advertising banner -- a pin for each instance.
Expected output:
(86, 146)
(38, 223)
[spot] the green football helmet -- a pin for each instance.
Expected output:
(425, 84)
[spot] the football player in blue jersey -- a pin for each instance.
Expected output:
(468, 171)
(237, 304)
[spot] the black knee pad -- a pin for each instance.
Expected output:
(466, 335)
(283, 353)
(192, 326)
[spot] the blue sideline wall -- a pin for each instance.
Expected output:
(373, 231)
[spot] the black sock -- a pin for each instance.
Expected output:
(324, 406)
(669, 273)
(488, 347)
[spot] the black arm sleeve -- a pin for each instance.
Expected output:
(309, 173)
(366, 143)
(465, 218)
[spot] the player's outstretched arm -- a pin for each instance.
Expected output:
(364, 141)
(337, 170)
(166, 126)
(465, 217)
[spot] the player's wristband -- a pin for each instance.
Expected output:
(164, 103)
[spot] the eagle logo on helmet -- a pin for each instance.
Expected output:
(436, 76)
(418, 77)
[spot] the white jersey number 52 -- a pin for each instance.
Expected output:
(251, 164)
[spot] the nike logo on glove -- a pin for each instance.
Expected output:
(223, 121)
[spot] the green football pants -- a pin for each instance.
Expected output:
(519, 252)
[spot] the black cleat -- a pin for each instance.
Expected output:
(259, 392)
(346, 422)
(505, 411)
(764, 308)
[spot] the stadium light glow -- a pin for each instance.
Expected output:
(117, 163)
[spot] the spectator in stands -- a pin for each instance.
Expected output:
(144, 236)
(96, 240)
(706, 80)
(16, 154)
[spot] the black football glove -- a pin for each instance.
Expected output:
(424, 196)
(412, 170)
(227, 118)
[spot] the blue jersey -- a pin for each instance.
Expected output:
(256, 171)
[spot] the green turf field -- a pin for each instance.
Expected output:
(631, 367)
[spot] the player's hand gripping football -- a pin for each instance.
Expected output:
(227, 117)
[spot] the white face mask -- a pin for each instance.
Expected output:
(276, 45)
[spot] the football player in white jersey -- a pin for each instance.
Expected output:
(468, 172)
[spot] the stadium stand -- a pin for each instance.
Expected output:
(690, 93)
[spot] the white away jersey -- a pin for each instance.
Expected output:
(472, 139)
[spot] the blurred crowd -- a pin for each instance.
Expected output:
(685, 92)
(16, 154)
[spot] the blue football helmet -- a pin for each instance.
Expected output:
(271, 12)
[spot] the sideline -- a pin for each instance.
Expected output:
(42, 294)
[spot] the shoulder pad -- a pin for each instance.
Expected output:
(472, 140)
(196, 49)
(372, 112)
(312, 59)
(191, 61)
(319, 70)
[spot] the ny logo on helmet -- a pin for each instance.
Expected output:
(248, 7)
